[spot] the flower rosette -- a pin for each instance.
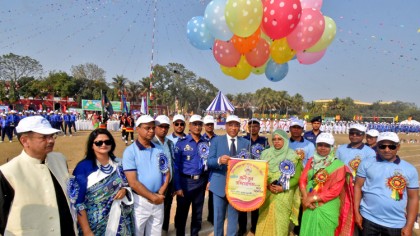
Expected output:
(243, 154)
(287, 169)
(256, 151)
(354, 164)
(203, 152)
(397, 184)
(320, 178)
(163, 163)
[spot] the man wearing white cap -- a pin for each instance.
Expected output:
(386, 191)
(33, 192)
(222, 148)
(190, 177)
(356, 151)
(179, 127)
(209, 134)
(147, 170)
(371, 139)
(163, 123)
(2, 126)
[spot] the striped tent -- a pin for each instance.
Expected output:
(220, 104)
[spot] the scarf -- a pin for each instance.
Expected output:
(321, 162)
(275, 156)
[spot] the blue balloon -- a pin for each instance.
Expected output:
(276, 72)
(214, 17)
(198, 34)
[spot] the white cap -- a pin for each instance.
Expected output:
(195, 118)
(373, 133)
(359, 127)
(296, 123)
(162, 119)
(234, 118)
(253, 120)
(390, 136)
(178, 117)
(208, 119)
(144, 119)
(37, 124)
(325, 138)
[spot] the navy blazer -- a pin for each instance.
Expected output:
(219, 147)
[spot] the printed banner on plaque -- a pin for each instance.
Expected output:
(246, 183)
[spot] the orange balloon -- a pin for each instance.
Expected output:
(244, 45)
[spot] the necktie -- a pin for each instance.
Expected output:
(232, 148)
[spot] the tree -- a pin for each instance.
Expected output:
(88, 71)
(12, 69)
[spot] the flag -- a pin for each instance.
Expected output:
(143, 108)
(124, 104)
(106, 105)
(396, 118)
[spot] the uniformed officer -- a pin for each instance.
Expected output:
(179, 127)
(258, 144)
(312, 134)
(190, 177)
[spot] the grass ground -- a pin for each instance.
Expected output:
(73, 147)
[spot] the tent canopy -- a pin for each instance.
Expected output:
(410, 122)
(220, 104)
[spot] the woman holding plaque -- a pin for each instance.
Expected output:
(326, 192)
(98, 191)
(282, 200)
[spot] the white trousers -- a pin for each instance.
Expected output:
(148, 217)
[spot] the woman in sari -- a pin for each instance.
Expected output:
(98, 189)
(282, 201)
(327, 191)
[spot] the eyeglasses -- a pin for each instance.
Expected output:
(100, 143)
(323, 145)
(163, 126)
(199, 124)
(45, 137)
(360, 133)
(390, 146)
(179, 124)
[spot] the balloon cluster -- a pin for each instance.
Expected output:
(262, 36)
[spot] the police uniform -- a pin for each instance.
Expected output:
(310, 135)
(190, 177)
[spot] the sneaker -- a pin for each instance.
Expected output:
(1, 141)
(10, 141)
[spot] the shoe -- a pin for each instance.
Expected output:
(1, 141)
(10, 141)
(241, 232)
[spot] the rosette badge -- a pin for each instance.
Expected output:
(287, 169)
(243, 154)
(203, 150)
(163, 163)
(256, 150)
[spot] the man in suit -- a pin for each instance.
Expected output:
(223, 148)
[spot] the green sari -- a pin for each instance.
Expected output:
(279, 209)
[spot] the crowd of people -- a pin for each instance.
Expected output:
(360, 188)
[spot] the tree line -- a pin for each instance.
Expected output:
(174, 86)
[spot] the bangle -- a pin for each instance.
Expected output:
(315, 198)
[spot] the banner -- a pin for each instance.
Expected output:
(246, 183)
(96, 105)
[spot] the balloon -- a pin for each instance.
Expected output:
(227, 70)
(276, 72)
(198, 34)
(243, 17)
(327, 37)
(264, 36)
(259, 55)
(281, 51)
(308, 31)
(225, 53)
(280, 17)
(214, 18)
(259, 70)
(317, 4)
(242, 70)
(308, 58)
(244, 45)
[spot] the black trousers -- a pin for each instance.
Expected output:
(243, 220)
(167, 206)
(373, 229)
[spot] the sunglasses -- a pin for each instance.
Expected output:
(391, 146)
(360, 133)
(163, 126)
(179, 124)
(100, 143)
(199, 124)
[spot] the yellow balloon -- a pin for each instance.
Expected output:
(242, 70)
(243, 17)
(226, 70)
(280, 51)
(326, 38)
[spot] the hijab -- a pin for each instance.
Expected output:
(275, 156)
(321, 162)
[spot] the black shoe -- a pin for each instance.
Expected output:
(241, 232)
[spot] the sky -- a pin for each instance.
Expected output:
(375, 55)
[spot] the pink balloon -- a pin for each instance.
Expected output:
(280, 17)
(309, 30)
(308, 58)
(225, 53)
(317, 4)
(259, 55)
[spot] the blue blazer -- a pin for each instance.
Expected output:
(219, 147)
